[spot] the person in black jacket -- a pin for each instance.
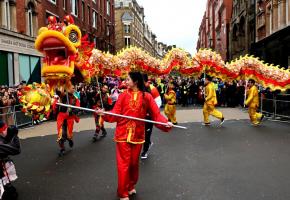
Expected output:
(9, 145)
(9, 141)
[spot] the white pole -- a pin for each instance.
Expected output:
(100, 91)
(245, 95)
(118, 115)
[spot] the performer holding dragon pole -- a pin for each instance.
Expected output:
(210, 102)
(101, 100)
(170, 107)
(130, 134)
(253, 103)
(66, 118)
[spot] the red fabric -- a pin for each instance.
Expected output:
(126, 105)
(154, 92)
(3, 128)
(127, 156)
(70, 122)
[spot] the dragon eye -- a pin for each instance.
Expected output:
(73, 36)
(73, 33)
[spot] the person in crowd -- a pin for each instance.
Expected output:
(115, 92)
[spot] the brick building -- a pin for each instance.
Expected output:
(272, 27)
(132, 30)
(214, 27)
(129, 18)
(94, 17)
(19, 61)
(242, 28)
(21, 19)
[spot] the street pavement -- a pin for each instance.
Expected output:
(234, 162)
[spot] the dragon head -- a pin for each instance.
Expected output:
(60, 44)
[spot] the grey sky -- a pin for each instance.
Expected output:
(175, 22)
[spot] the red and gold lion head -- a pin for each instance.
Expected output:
(61, 45)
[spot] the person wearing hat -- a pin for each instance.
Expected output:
(253, 103)
(210, 102)
(170, 108)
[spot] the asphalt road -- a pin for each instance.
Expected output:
(233, 162)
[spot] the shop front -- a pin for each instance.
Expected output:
(19, 61)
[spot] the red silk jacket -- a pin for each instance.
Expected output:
(135, 104)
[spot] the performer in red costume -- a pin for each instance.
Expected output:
(130, 134)
(66, 118)
(106, 102)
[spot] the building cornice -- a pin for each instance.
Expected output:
(15, 34)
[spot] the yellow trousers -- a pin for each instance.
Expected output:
(254, 116)
(210, 110)
(170, 112)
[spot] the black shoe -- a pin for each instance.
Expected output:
(96, 137)
(222, 121)
(175, 123)
(70, 143)
(263, 117)
(144, 155)
(104, 133)
(61, 152)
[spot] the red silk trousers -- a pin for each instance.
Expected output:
(127, 155)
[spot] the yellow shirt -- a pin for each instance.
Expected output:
(170, 97)
(253, 97)
(210, 94)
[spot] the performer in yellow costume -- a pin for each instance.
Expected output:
(253, 103)
(170, 108)
(210, 102)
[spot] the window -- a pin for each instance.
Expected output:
(6, 68)
(127, 41)
(89, 15)
(52, 1)
(64, 4)
(83, 10)
(127, 28)
(7, 23)
(47, 14)
(108, 29)
(74, 7)
(29, 67)
(95, 42)
(30, 20)
(95, 19)
(108, 7)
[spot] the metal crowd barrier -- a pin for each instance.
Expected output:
(12, 115)
(7, 115)
(277, 108)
